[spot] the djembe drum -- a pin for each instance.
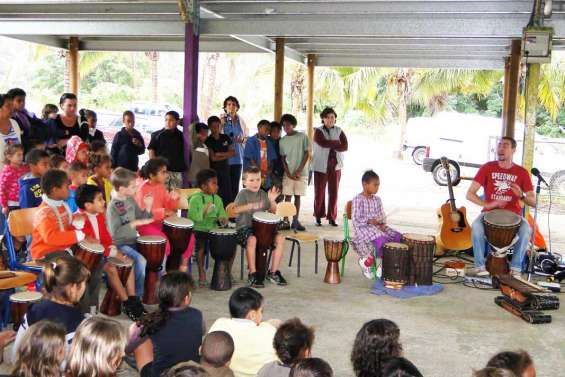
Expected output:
(153, 249)
(112, 304)
(178, 230)
(421, 266)
(223, 245)
(19, 304)
(501, 227)
(264, 228)
(396, 264)
(333, 248)
(89, 253)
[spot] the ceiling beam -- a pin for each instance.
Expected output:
(46, 40)
(168, 45)
(360, 61)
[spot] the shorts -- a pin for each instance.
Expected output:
(202, 240)
(292, 187)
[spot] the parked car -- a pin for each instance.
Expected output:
(115, 125)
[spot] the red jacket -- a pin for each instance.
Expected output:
(104, 235)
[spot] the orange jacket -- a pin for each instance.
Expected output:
(47, 237)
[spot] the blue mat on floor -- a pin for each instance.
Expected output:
(379, 289)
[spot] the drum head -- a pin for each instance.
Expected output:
(266, 217)
(178, 222)
(396, 245)
(223, 231)
(333, 239)
(502, 217)
(118, 262)
(92, 247)
(26, 296)
(151, 239)
(418, 237)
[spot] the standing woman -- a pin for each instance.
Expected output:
(234, 127)
(65, 125)
(329, 144)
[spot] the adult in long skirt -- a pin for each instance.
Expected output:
(329, 144)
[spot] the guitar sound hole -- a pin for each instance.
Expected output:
(456, 230)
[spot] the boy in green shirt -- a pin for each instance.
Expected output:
(206, 209)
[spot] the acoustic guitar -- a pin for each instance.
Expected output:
(454, 232)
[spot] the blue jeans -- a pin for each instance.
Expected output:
(479, 244)
(139, 264)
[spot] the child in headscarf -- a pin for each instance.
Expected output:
(77, 150)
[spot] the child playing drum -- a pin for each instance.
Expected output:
(369, 223)
(248, 201)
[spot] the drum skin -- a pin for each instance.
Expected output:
(422, 258)
(396, 264)
(501, 226)
(88, 253)
(264, 228)
(178, 231)
(19, 304)
(153, 249)
(223, 245)
(111, 304)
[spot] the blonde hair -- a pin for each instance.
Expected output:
(40, 351)
(97, 349)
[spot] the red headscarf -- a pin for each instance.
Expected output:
(74, 145)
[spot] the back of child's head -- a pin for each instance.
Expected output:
(291, 341)
(400, 367)
(289, 118)
(311, 367)
(98, 160)
(128, 113)
(61, 273)
(122, 177)
(263, 123)
(53, 178)
(251, 170)
(185, 369)
(173, 114)
(47, 110)
(34, 156)
(368, 176)
(98, 147)
(97, 348)
(86, 194)
(376, 341)
(56, 161)
(152, 167)
(40, 351)
(217, 349)
(494, 372)
(517, 361)
(11, 150)
(243, 300)
(204, 176)
(213, 119)
(77, 167)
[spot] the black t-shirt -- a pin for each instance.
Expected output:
(222, 145)
(58, 131)
(179, 340)
(68, 316)
(169, 144)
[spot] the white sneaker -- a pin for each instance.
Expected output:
(478, 272)
(366, 270)
(516, 274)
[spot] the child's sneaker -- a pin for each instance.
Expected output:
(276, 277)
(364, 269)
(253, 282)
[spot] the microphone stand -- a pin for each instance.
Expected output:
(532, 258)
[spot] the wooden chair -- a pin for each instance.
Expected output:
(287, 209)
(185, 195)
(20, 224)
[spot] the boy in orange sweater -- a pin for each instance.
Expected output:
(54, 229)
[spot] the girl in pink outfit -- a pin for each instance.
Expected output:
(77, 150)
(13, 169)
(165, 204)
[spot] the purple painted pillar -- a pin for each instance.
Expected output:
(190, 93)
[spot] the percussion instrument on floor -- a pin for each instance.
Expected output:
(396, 264)
(422, 250)
(264, 229)
(501, 227)
(223, 245)
(178, 230)
(19, 304)
(527, 295)
(112, 304)
(89, 253)
(333, 248)
(153, 249)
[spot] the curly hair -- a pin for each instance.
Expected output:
(517, 361)
(377, 341)
(291, 340)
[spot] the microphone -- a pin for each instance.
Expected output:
(535, 172)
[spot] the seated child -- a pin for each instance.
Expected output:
(399, 366)
(369, 223)
(77, 150)
(99, 147)
(101, 167)
(97, 349)
(41, 351)
(253, 339)
(312, 367)
(518, 362)
(293, 342)
(54, 229)
(206, 209)
(124, 217)
(78, 174)
(11, 173)
(248, 201)
(64, 282)
(173, 333)
(30, 183)
(216, 353)
(186, 370)
(91, 205)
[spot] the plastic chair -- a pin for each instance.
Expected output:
(20, 224)
(287, 209)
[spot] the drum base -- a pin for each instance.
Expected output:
(173, 260)
(111, 304)
(221, 279)
(150, 288)
(332, 273)
(497, 266)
